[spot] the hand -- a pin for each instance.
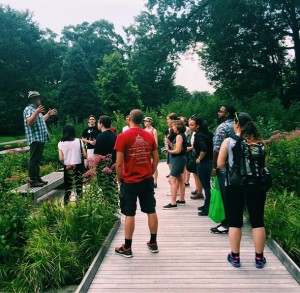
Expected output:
(198, 161)
(92, 142)
(213, 172)
(52, 112)
(40, 109)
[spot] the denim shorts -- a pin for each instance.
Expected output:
(178, 165)
(144, 191)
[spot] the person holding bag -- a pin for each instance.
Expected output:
(71, 151)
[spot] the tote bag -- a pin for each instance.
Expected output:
(216, 208)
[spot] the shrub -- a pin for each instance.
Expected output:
(284, 160)
(282, 221)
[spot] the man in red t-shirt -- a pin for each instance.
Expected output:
(135, 148)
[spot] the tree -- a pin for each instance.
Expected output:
(20, 69)
(78, 95)
(96, 40)
(118, 92)
(151, 60)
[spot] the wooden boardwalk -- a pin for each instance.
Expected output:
(190, 258)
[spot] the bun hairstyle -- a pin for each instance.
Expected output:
(248, 129)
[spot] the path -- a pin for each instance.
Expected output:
(191, 259)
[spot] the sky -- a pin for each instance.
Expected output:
(56, 14)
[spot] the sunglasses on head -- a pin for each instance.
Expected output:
(236, 117)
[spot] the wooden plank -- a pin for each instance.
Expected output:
(54, 179)
(191, 259)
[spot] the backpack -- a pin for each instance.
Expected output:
(248, 165)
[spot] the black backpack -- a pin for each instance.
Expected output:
(248, 165)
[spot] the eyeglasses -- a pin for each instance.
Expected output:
(236, 117)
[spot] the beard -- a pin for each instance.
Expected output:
(221, 119)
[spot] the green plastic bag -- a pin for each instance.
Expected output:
(216, 208)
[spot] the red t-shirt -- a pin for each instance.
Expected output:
(137, 146)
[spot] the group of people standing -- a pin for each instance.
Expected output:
(136, 156)
(213, 155)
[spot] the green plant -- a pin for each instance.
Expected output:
(282, 221)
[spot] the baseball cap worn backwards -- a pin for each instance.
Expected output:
(33, 94)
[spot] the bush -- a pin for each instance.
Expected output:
(282, 221)
(284, 160)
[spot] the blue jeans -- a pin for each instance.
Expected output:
(204, 171)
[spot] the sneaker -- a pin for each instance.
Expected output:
(123, 251)
(220, 229)
(170, 207)
(203, 213)
(152, 247)
(168, 176)
(197, 196)
(180, 202)
(260, 262)
(201, 208)
(234, 261)
(187, 184)
(36, 184)
(194, 192)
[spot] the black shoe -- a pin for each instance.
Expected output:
(170, 207)
(36, 184)
(152, 247)
(155, 185)
(187, 184)
(42, 181)
(220, 229)
(201, 208)
(180, 202)
(168, 176)
(197, 196)
(203, 213)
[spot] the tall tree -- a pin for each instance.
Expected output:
(118, 92)
(20, 69)
(151, 60)
(78, 95)
(96, 40)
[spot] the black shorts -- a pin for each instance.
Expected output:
(144, 190)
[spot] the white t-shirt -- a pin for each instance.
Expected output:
(125, 128)
(71, 151)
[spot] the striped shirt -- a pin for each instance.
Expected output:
(38, 130)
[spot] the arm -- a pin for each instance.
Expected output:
(215, 159)
(155, 135)
(155, 157)
(30, 121)
(119, 166)
(222, 158)
(61, 156)
(178, 147)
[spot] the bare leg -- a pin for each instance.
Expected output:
(153, 223)
(187, 176)
(259, 239)
(129, 227)
(174, 187)
(180, 181)
(155, 176)
(235, 236)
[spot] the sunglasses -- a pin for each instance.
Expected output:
(236, 117)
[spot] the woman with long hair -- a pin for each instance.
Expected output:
(71, 151)
(178, 154)
(252, 194)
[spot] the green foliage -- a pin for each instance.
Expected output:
(284, 160)
(282, 220)
(116, 85)
(78, 90)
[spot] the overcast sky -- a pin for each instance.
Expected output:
(55, 14)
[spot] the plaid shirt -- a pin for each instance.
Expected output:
(38, 130)
(225, 129)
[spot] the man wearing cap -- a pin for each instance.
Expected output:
(36, 134)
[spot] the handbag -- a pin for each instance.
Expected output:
(216, 207)
(191, 165)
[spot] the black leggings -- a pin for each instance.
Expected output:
(73, 179)
(254, 198)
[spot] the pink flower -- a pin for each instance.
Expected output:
(90, 173)
(8, 146)
(107, 170)
(69, 167)
(21, 143)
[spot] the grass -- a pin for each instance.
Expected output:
(11, 138)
